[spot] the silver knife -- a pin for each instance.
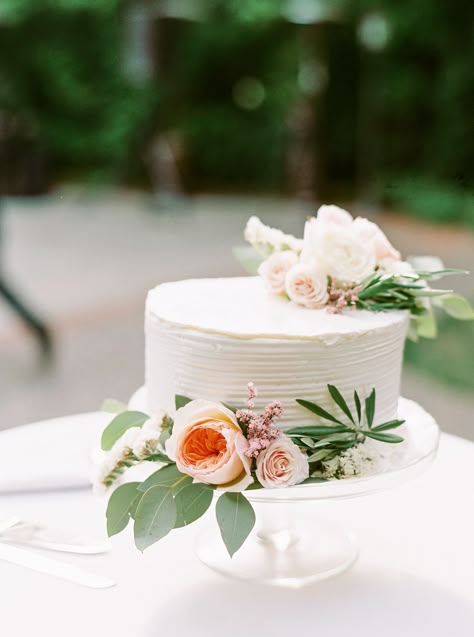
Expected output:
(49, 566)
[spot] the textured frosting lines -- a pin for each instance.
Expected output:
(217, 367)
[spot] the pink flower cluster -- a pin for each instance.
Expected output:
(261, 431)
(341, 296)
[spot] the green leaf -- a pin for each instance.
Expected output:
(321, 454)
(456, 306)
(309, 442)
(391, 424)
(383, 437)
(358, 406)
(113, 406)
(313, 480)
(236, 519)
(159, 457)
(181, 401)
(342, 437)
(316, 431)
(155, 516)
(192, 501)
(437, 274)
(119, 426)
(169, 476)
(248, 258)
(425, 324)
(319, 411)
(121, 507)
(340, 402)
(370, 407)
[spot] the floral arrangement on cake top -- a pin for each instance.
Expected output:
(344, 262)
(210, 448)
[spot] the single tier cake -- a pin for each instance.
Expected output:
(206, 338)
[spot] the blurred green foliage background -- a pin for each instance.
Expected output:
(390, 83)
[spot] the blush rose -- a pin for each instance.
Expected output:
(274, 269)
(282, 464)
(306, 286)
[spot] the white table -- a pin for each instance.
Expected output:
(415, 575)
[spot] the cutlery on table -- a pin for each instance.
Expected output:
(15, 531)
(49, 566)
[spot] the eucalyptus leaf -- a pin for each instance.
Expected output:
(169, 476)
(456, 306)
(119, 426)
(425, 324)
(159, 457)
(113, 406)
(382, 437)
(319, 411)
(181, 401)
(155, 516)
(370, 407)
(236, 519)
(121, 507)
(340, 402)
(192, 502)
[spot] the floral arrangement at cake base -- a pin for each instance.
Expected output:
(214, 450)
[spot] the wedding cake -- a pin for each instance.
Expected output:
(315, 341)
(209, 337)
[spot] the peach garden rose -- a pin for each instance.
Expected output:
(208, 444)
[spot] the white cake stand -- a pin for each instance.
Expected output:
(290, 544)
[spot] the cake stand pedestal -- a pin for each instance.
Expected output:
(290, 545)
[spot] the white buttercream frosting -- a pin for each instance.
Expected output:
(207, 338)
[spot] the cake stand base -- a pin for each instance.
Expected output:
(288, 547)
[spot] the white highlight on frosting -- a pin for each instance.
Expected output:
(207, 338)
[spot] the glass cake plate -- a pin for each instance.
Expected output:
(290, 544)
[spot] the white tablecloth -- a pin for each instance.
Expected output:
(415, 575)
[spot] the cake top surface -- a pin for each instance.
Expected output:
(241, 307)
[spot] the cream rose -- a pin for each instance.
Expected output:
(282, 464)
(274, 269)
(369, 231)
(397, 268)
(333, 214)
(306, 286)
(339, 251)
(208, 444)
(267, 240)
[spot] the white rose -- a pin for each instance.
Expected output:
(274, 269)
(334, 214)
(397, 268)
(339, 251)
(267, 240)
(306, 286)
(282, 464)
(369, 231)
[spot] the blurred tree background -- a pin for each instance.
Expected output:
(381, 91)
